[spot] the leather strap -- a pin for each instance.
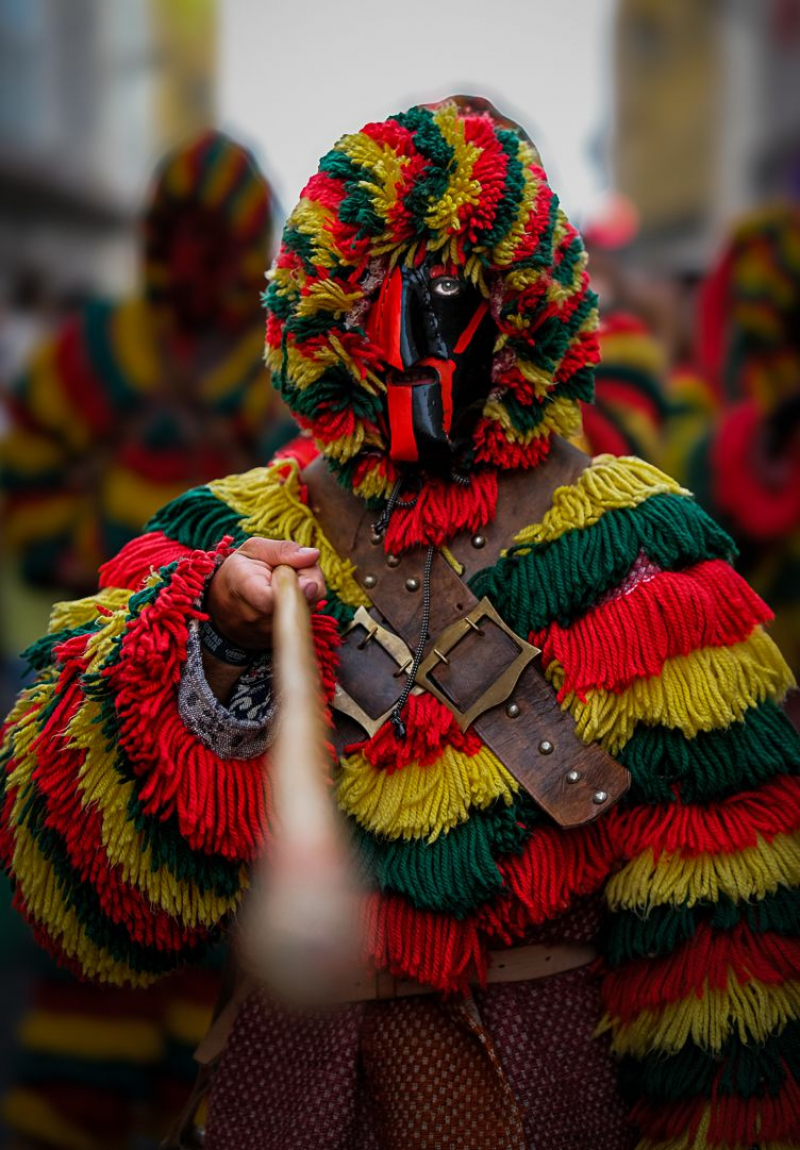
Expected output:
(529, 732)
(517, 964)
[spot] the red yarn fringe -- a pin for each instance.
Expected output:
(729, 825)
(443, 508)
(631, 637)
(435, 949)
(431, 727)
(735, 1123)
(556, 867)
(136, 560)
(494, 449)
(219, 805)
(56, 777)
(710, 959)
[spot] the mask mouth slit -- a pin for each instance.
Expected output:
(414, 375)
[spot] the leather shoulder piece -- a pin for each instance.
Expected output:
(473, 663)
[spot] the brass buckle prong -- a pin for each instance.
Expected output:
(444, 644)
(395, 647)
(371, 632)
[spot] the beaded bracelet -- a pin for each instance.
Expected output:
(222, 649)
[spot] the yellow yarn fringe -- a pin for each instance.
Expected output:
(416, 801)
(101, 786)
(704, 691)
(39, 886)
(752, 1010)
(561, 415)
(76, 612)
(462, 188)
(374, 485)
(268, 499)
(677, 880)
(327, 295)
(609, 481)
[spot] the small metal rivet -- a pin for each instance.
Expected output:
(512, 710)
(412, 584)
(573, 776)
(315, 509)
(375, 538)
(546, 747)
(392, 560)
(370, 581)
(599, 797)
(478, 541)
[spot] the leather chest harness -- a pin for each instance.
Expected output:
(473, 662)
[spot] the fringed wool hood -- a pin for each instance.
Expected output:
(428, 180)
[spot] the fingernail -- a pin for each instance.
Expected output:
(310, 591)
(308, 551)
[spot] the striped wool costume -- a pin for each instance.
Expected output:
(129, 838)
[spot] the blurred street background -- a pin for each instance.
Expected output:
(669, 128)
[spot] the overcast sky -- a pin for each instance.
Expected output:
(297, 74)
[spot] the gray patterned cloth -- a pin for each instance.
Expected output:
(241, 730)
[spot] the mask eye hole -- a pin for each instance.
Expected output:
(447, 287)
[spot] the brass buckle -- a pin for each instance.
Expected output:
(395, 647)
(450, 637)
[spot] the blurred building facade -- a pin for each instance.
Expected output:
(91, 93)
(707, 119)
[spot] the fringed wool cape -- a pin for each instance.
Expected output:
(129, 840)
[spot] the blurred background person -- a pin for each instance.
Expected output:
(737, 435)
(130, 403)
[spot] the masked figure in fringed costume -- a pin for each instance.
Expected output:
(130, 404)
(430, 321)
(737, 435)
(133, 402)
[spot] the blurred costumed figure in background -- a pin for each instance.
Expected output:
(736, 437)
(128, 404)
(134, 400)
(628, 413)
(598, 865)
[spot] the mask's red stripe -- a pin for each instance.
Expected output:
(385, 319)
(465, 338)
(403, 445)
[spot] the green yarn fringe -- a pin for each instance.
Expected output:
(536, 584)
(628, 936)
(739, 1071)
(714, 763)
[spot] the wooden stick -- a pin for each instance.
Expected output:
(300, 925)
